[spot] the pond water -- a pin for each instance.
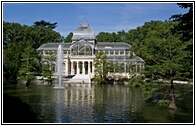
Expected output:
(84, 103)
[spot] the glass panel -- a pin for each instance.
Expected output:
(116, 52)
(121, 52)
(81, 49)
(111, 52)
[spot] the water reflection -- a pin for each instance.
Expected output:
(78, 101)
(83, 103)
(116, 104)
(59, 104)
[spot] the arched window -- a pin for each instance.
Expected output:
(81, 48)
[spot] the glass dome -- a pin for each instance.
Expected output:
(84, 31)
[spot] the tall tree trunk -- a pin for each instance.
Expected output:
(172, 84)
(172, 104)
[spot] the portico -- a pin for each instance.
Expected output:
(79, 66)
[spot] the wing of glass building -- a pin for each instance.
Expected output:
(79, 54)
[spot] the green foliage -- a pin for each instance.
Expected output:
(137, 80)
(161, 95)
(163, 102)
(28, 35)
(166, 55)
(29, 65)
(185, 30)
(149, 91)
(101, 67)
(185, 26)
(68, 38)
(45, 24)
(16, 38)
(161, 50)
(47, 72)
(11, 61)
(111, 37)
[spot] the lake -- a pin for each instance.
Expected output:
(84, 103)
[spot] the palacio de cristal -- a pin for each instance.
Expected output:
(79, 55)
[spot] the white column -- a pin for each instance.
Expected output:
(78, 68)
(83, 69)
(66, 68)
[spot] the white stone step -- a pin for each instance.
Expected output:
(80, 78)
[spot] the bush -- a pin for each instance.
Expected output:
(136, 81)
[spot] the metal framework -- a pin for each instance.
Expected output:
(81, 48)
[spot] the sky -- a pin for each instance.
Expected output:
(106, 17)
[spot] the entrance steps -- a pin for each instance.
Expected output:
(81, 79)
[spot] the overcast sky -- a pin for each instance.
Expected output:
(107, 17)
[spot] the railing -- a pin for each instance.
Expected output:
(82, 56)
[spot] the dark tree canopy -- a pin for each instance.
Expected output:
(185, 30)
(111, 37)
(16, 38)
(45, 24)
(185, 26)
(68, 38)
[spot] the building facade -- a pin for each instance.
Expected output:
(79, 55)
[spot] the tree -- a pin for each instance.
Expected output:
(159, 47)
(136, 81)
(16, 38)
(40, 35)
(45, 24)
(47, 71)
(11, 62)
(103, 37)
(120, 36)
(29, 65)
(12, 32)
(185, 30)
(163, 51)
(185, 26)
(68, 38)
(101, 67)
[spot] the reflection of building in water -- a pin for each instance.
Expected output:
(80, 53)
(79, 94)
(59, 105)
(79, 99)
(116, 104)
(80, 103)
